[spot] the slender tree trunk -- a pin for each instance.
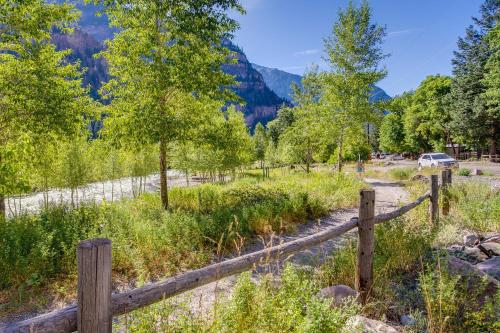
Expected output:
(339, 155)
(163, 174)
(2, 207)
(493, 143)
(2, 199)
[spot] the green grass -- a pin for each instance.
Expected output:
(252, 307)
(38, 252)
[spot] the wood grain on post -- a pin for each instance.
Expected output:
(94, 314)
(446, 197)
(434, 202)
(366, 243)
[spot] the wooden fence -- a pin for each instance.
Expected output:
(96, 306)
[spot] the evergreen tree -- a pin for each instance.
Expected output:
(471, 120)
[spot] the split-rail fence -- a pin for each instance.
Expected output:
(96, 306)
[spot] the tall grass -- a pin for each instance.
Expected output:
(37, 251)
(293, 306)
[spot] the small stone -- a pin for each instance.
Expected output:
(339, 294)
(360, 324)
(471, 239)
(407, 320)
(490, 248)
(490, 267)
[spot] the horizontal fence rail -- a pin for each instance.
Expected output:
(67, 319)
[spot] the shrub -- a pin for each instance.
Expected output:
(464, 172)
(401, 173)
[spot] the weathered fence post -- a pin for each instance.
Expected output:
(94, 286)
(366, 243)
(445, 179)
(434, 200)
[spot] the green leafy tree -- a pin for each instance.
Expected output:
(427, 118)
(471, 121)
(260, 144)
(40, 92)
(276, 127)
(354, 54)
(165, 54)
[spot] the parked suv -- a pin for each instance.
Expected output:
(434, 160)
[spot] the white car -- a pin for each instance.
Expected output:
(435, 160)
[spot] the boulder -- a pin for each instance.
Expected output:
(474, 254)
(471, 240)
(490, 248)
(491, 237)
(474, 276)
(360, 324)
(490, 267)
(476, 172)
(339, 294)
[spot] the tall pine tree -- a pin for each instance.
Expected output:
(472, 123)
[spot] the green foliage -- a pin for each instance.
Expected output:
(354, 55)
(475, 206)
(464, 172)
(36, 79)
(149, 242)
(169, 54)
(255, 307)
(401, 173)
(426, 119)
(474, 121)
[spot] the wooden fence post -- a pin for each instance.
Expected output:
(366, 243)
(446, 197)
(94, 286)
(434, 200)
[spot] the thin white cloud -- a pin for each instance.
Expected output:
(396, 33)
(306, 52)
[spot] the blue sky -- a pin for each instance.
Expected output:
(421, 35)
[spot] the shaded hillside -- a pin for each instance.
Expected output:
(84, 47)
(262, 103)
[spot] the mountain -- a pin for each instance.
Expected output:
(84, 46)
(261, 102)
(279, 81)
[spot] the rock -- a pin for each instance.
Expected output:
(471, 240)
(490, 267)
(490, 248)
(474, 276)
(476, 172)
(360, 324)
(339, 294)
(491, 237)
(407, 320)
(474, 254)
